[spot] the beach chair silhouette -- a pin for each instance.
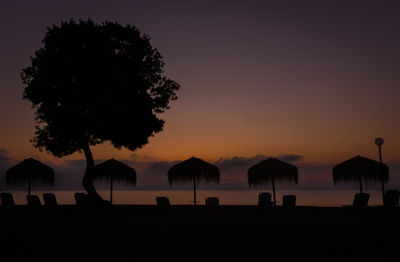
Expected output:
(81, 199)
(391, 198)
(7, 199)
(49, 199)
(212, 201)
(33, 201)
(264, 199)
(289, 200)
(163, 201)
(360, 200)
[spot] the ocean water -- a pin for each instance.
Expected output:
(329, 198)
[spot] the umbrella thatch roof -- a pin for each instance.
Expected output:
(193, 169)
(272, 169)
(115, 171)
(30, 170)
(356, 168)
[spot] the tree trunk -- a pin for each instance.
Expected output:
(87, 181)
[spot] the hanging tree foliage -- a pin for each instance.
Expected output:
(90, 83)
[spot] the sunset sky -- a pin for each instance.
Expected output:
(314, 82)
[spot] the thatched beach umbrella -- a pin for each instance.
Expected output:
(272, 170)
(114, 171)
(360, 169)
(193, 170)
(30, 171)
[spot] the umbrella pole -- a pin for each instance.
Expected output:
(194, 191)
(273, 190)
(361, 188)
(111, 189)
(29, 186)
(383, 186)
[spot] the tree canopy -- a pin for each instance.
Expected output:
(91, 83)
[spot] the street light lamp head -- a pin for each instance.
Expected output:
(379, 141)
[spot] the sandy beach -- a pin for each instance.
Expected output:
(177, 233)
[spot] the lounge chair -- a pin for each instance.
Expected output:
(81, 199)
(361, 200)
(7, 199)
(33, 201)
(212, 201)
(264, 199)
(289, 200)
(162, 201)
(49, 199)
(391, 198)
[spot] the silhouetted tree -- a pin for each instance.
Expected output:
(92, 83)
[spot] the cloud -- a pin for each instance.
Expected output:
(68, 176)
(238, 162)
(141, 158)
(154, 175)
(290, 157)
(161, 166)
(246, 162)
(6, 161)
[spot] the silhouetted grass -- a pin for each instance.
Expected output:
(245, 233)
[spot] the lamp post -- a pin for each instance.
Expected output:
(379, 142)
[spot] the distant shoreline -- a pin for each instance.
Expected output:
(336, 198)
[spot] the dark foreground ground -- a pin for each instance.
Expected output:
(186, 233)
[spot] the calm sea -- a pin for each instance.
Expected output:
(226, 197)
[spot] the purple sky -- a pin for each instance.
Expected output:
(316, 79)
